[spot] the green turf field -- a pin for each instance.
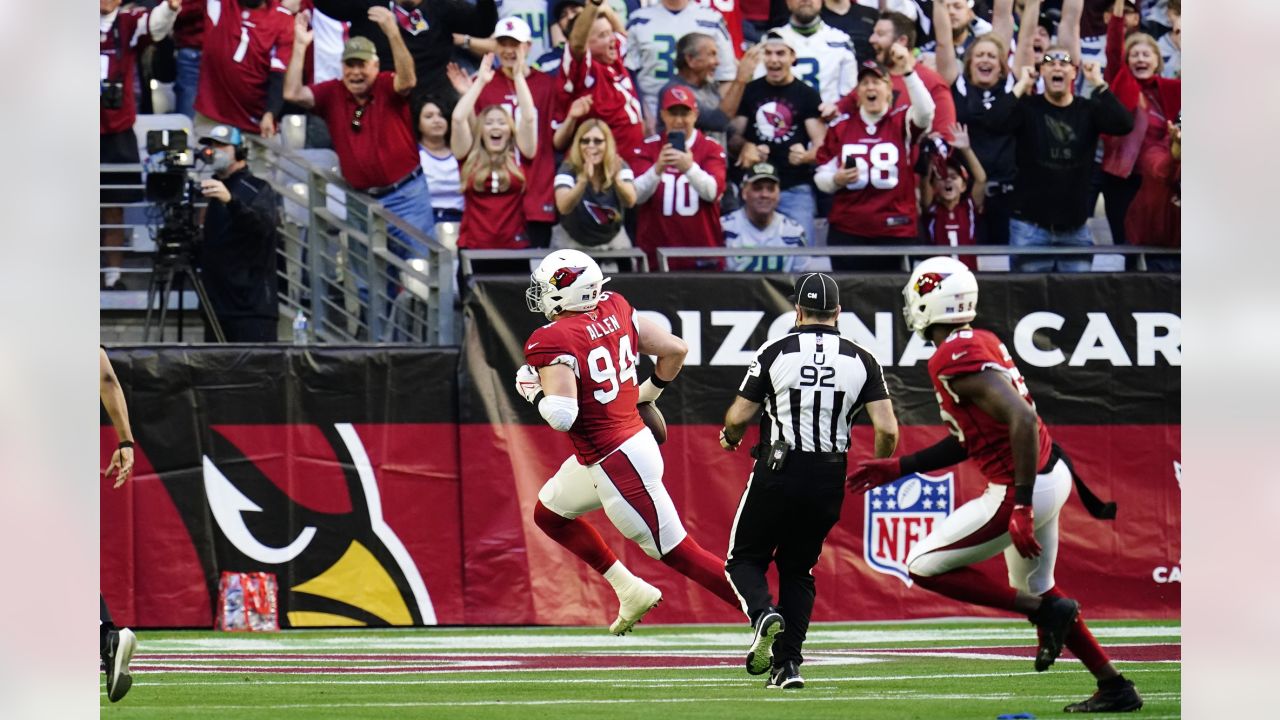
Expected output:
(961, 669)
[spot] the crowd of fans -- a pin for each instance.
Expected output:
(608, 124)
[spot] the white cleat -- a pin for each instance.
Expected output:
(120, 647)
(639, 598)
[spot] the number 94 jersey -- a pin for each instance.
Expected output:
(986, 440)
(881, 202)
(601, 348)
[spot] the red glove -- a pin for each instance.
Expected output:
(1022, 529)
(873, 474)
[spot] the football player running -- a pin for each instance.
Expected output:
(993, 421)
(581, 376)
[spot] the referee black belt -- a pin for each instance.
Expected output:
(759, 450)
(385, 190)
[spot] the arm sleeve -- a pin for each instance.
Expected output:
(275, 93)
(727, 69)
(646, 183)
(922, 106)
(757, 384)
(848, 72)
(703, 183)
(944, 453)
(1111, 117)
(1115, 49)
(160, 21)
(874, 388)
(254, 216)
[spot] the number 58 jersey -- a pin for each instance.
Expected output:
(881, 202)
(600, 347)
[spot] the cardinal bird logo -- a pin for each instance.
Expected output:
(929, 282)
(774, 122)
(565, 276)
(338, 561)
(602, 214)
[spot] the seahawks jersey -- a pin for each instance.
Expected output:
(533, 12)
(824, 61)
(781, 232)
(652, 33)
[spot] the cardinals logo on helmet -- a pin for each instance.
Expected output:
(565, 276)
(929, 282)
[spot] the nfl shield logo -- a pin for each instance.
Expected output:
(901, 514)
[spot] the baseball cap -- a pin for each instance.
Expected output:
(359, 48)
(773, 36)
(222, 135)
(816, 291)
(514, 28)
(678, 95)
(874, 68)
(761, 171)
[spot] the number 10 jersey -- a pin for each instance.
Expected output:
(601, 348)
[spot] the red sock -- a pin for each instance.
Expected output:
(1081, 642)
(577, 536)
(971, 586)
(691, 560)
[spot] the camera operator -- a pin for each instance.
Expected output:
(238, 256)
(122, 36)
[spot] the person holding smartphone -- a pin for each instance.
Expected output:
(680, 177)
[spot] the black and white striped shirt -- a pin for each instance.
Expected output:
(812, 383)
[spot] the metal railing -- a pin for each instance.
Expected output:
(345, 258)
(468, 258)
(906, 252)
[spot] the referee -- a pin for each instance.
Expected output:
(812, 383)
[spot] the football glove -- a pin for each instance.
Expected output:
(1022, 530)
(528, 384)
(873, 473)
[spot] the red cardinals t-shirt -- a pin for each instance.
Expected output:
(965, 352)
(383, 150)
(493, 218)
(242, 47)
(601, 347)
(539, 172)
(882, 201)
(615, 101)
(956, 227)
(675, 216)
(729, 10)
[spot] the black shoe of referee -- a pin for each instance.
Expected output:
(760, 656)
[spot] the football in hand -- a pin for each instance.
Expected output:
(653, 419)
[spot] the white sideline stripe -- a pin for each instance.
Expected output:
(632, 643)
(595, 681)
(620, 701)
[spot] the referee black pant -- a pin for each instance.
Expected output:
(784, 518)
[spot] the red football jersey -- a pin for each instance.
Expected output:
(242, 48)
(728, 9)
(615, 100)
(118, 50)
(969, 351)
(955, 227)
(882, 201)
(601, 347)
(493, 220)
(944, 104)
(675, 216)
(540, 172)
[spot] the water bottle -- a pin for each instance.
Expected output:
(300, 329)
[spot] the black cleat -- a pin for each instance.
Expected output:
(786, 677)
(1123, 697)
(760, 656)
(1054, 618)
(120, 646)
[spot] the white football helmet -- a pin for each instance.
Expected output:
(941, 290)
(565, 280)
